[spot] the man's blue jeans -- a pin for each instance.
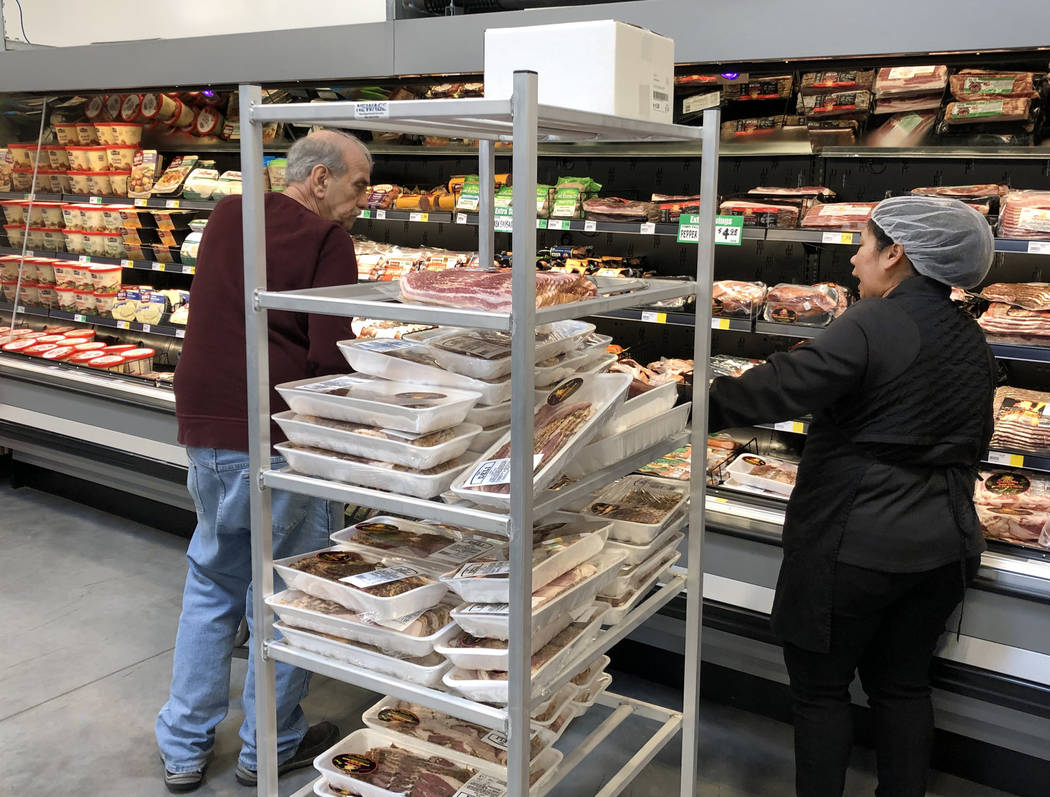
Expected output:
(217, 595)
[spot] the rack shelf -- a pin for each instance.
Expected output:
(149, 202)
(139, 265)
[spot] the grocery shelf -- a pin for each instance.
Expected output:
(140, 265)
(38, 196)
(34, 312)
(142, 202)
(727, 149)
(1010, 351)
(786, 330)
(963, 153)
(1018, 459)
(134, 326)
(652, 316)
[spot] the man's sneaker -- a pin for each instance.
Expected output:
(182, 782)
(318, 739)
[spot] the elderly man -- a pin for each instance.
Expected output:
(307, 246)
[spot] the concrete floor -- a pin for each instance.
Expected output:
(88, 609)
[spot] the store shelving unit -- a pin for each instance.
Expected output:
(525, 122)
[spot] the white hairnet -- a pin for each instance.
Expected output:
(943, 238)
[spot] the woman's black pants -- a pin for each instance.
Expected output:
(884, 626)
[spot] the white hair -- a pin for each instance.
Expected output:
(313, 150)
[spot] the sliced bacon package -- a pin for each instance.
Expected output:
(839, 215)
(1025, 214)
(908, 129)
(1014, 506)
(909, 81)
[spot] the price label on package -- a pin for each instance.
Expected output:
(495, 471)
(482, 785)
(688, 228)
(374, 578)
(483, 569)
(463, 551)
(729, 230)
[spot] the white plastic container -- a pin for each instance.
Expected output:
(397, 539)
(398, 451)
(491, 415)
(747, 468)
(589, 673)
(375, 357)
(603, 453)
(616, 500)
(489, 582)
(546, 712)
(498, 691)
(640, 409)
(623, 607)
(467, 658)
(373, 606)
(493, 619)
(416, 672)
(491, 359)
(371, 401)
(604, 392)
(630, 576)
(485, 439)
(589, 694)
(335, 467)
(351, 626)
(636, 554)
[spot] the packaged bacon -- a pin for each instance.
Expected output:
(983, 84)
(903, 129)
(909, 81)
(1014, 506)
(839, 215)
(824, 82)
(763, 214)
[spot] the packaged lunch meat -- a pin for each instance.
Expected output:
(909, 81)
(735, 298)
(1014, 506)
(1022, 420)
(171, 182)
(767, 473)
(813, 305)
(433, 547)
(640, 507)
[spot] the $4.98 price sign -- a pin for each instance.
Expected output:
(729, 230)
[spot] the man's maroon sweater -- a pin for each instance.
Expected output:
(303, 250)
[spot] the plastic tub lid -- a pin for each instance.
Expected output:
(120, 348)
(88, 147)
(126, 124)
(18, 345)
(87, 334)
(106, 294)
(39, 348)
(137, 354)
(85, 356)
(106, 361)
(52, 338)
(46, 229)
(21, 146)
(91, 345)
(58, 353)
(95, 232)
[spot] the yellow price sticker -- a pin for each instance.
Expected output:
(140, 202)
(719, 323)
(654, 318)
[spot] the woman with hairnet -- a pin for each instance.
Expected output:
(880, 534)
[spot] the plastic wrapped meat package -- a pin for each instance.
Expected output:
(1022, 420)
(1014, 506)
(674, 465)
(907, 129)
(839, 215)
(770, 474)
(811, 305)
(640, 507)
(737, 299)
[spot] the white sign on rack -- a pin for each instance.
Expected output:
(1039, 247)
(371, 110)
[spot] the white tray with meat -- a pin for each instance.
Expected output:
(640, 507)
(378, 402)
(620, 607)
(414, 635)
(491, 290)
(565, 594)
(493, 686)
(589, 694)
(571, 415)
(640, 409)
(589, 673)
(372, 763)
(377, 588)
(409, 449)
(611, 450)
(767, 473)
(631, 576)
(422, 670)
(469, 652)
(441, 734)
(485, 354)
(561, 543)
(435, 549)
(636, 554)
(409, 361)
(544, 716)
(372, 473)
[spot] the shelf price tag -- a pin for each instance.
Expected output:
(171, 204)
(719, 323)
(796, 427)
(419, 217)
(366, 214)
(84, 259)
(461, 218)
(1002, 458)
(688, 228)
(649, 228)
(558, 224)
(147, 328)
(590, 226)
(541, 224)
(653, 318)
(127, 264)
(180, 333)
(79, 317)
(380, 214)
(1039, 247)
(94, 200)
(502, 220)
(123, 325)
(837, 238)
(729, 230)
(156, 266)
(140, 202)
(189, 269)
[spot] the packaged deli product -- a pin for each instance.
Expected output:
(601, 454)
(434, 547)
(1014, 506)
(640, 507)
(171, 182)
(814, 305)
(736, 298)
(469, 652)
(767, 473)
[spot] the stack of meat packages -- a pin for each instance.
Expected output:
(907, 100)
(811, 305)
(1014, 506)
(1022, 420)
(835, 105)
(1025, 214)
(759, 111)
(380, 262)
(772, 206)
(1017, 313)
(985, 198)
(993, 108)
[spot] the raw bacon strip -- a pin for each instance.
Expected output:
(1030, 295)
(490, 290)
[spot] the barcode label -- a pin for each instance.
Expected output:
(380, 214)
(374, 578)
(590, 226)
(486, 608)
(649, 228)
(171, 204)
(461, 218)
(463, 551)
(180, 333)
(483, 569)
(147, 328)
(482, 786)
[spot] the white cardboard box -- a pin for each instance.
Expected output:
(603, 66)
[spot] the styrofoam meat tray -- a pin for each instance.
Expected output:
(485, 439)
(629, 531)
(361, 741)
(544, 715)
(743, 470)
(395, 446)
(604, 392)
(590, 693)
(406, 670)
(594, 366)
(499, 658)
(389, 359)
(491, 415)
(489, 582)
(390, 716)
(498, 691)
(616, 614)
(373, 606)
(590, 672)
(610, 450)
(379, 402)
(636, 554)
(627, 578)
(350, 626)
(335, 467)
(492, 359)
(395, 536)
(493, 619)
(643, 407)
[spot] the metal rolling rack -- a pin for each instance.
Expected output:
(525, 122)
